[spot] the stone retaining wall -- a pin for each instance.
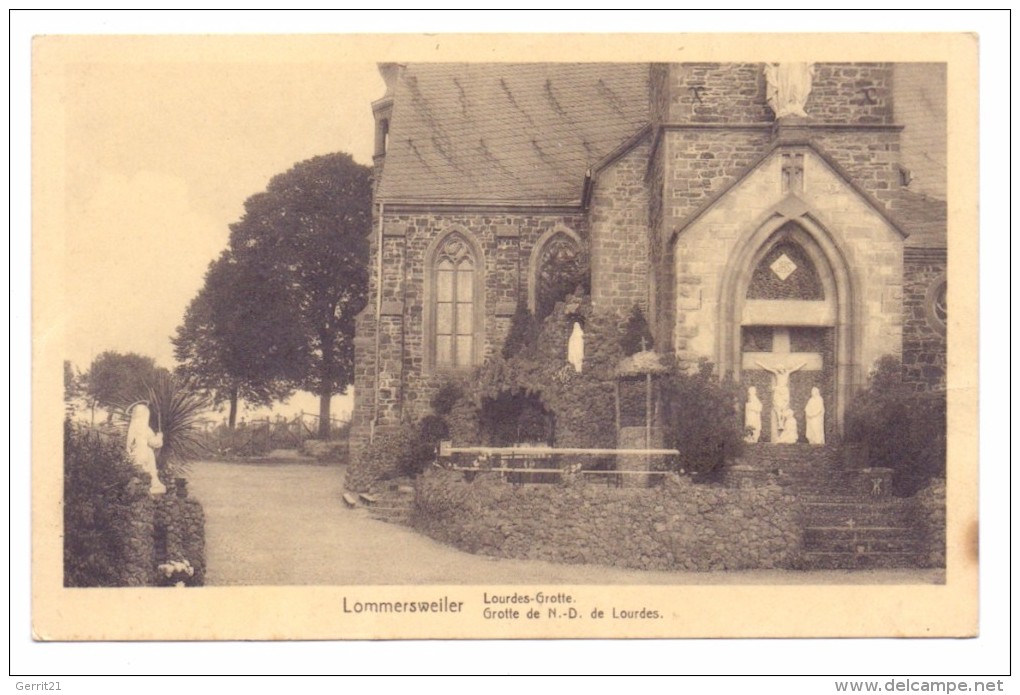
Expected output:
(162, 528)
(138, 568)
(676, 526)
(930, 513)
(181, 521)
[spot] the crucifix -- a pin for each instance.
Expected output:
(793, 173)
(781, 362)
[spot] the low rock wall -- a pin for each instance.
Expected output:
(182, 522)
(930, 514)
(138, 539)
(676, 526)
(162, 528)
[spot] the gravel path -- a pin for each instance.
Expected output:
(283, 524)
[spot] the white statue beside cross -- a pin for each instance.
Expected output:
(781, 362)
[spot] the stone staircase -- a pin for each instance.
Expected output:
(393, 503)
(858, 532)
(848, 518)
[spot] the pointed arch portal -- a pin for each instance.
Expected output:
(788, 303)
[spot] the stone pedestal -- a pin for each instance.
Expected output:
(637, 438)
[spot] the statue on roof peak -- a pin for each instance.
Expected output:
(788, 87)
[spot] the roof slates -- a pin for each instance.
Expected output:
(508, 132)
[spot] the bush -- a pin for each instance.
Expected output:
(446, 397)
(104, 544)
(405, 450)
(637, 337)
(384, 458)
(700, 419)
(900, 429)
(432, 429)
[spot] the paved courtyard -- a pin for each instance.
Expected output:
(284, 524)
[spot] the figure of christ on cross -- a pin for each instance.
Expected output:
(781, 362)
(781, 412)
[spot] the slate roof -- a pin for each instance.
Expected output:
(508, 133)
(923, 218)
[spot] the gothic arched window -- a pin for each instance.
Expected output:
(455, 302)
(558, 268)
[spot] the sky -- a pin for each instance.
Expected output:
(160, 157)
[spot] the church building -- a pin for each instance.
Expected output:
(785, 217)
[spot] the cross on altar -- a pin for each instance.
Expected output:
(781, 362)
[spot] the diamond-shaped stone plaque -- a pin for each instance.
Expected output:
(783, 266)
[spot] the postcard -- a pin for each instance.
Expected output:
(504, 336)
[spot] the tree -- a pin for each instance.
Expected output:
(522, 336)
(295, 277)
(115, 380)
(637, 336)
(701, 422)
(233, 343)
(899, 428)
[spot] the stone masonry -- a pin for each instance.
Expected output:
(664, 216)
(924, 336)
(619, 234)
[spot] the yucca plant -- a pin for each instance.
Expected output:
(178, 409)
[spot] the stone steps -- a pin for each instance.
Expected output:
(393, 504)
(802, 468)
(853, 540)
(843, 528)
(862, 512)
(821, 560)
(844, 532)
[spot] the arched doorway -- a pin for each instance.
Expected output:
(787, 309)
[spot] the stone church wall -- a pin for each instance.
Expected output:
(735, 93)
(701, 163)
(710, 122)
(852, 94)
(718, 93)
(405, 382)
(619, 234)
(732, 93)
(871, 158)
